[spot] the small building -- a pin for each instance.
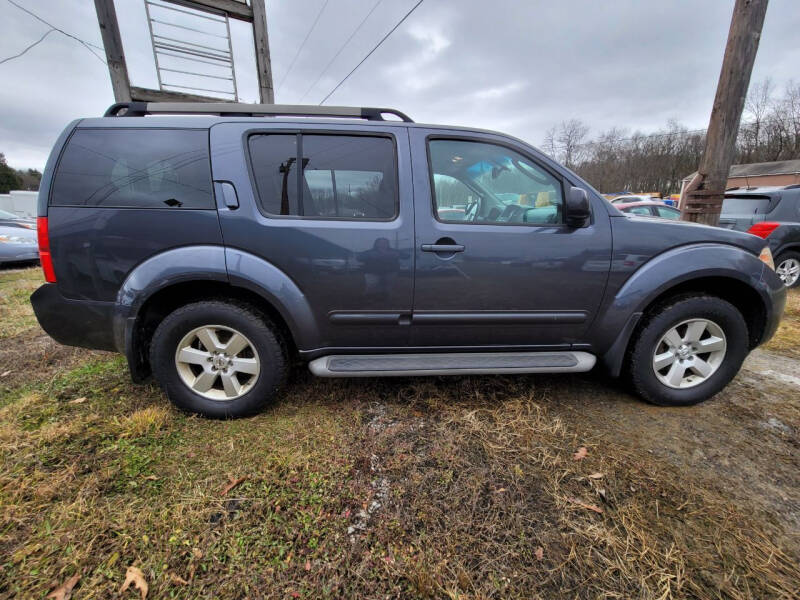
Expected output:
(20, 202)
(779, 173)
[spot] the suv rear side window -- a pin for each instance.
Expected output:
(342, 176)
(135, 168)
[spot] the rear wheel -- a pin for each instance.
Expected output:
(687, 350)
(218, 359)
(787, 266)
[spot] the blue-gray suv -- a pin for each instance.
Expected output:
(214, 243)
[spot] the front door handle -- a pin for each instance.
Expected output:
(442, 247)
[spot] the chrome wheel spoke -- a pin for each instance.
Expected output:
(673, 338)
(710, 344)
(209, 339)
(701, 367)
(675, 374)
(236, 344)
(245, 365)
(194, 356)
(694, 331)
(204, 381)
(663, 360)
(231, 385)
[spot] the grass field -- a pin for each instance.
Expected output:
(467, 487)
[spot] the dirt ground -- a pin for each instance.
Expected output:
(467, 487)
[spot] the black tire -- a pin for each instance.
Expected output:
(264, 337)
(662, 318)
(790, 254)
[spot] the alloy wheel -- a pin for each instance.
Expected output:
(689, 353)
(789, 271)
(217, 362)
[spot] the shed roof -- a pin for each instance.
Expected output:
(778, 167)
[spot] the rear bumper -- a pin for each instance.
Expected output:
(83, 323)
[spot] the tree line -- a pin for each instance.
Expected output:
(17, 179)
(617, 160)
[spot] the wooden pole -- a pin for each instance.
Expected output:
(263, 62)
(701, 199)
(112, 42)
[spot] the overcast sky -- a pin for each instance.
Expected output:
(514, 66)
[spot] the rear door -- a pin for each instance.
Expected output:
(331, 207)
(495, 263)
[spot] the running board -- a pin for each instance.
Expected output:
(453, 363)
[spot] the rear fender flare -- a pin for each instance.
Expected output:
(212, 263)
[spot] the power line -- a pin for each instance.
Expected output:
(343, 46)
(41, 39)
(302, 45)
(378, 45)
(87, 45)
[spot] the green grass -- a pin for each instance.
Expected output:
(16, 287)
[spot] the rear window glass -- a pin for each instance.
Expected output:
(746, 204)
(339, 176)
(135, 168)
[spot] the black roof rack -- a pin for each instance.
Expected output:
(233, 109)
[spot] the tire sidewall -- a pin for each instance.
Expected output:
(176, 325)
(713, 309)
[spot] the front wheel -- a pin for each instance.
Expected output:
(687, 350)
(218, 359)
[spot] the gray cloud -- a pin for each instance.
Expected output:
(509, 65)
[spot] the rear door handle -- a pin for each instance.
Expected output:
(228, 193)
(442, 247)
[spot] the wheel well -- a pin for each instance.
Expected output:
(742, 296)
(163, 302)
(789, 248)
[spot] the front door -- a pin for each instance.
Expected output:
(496, 265)
(332, 209)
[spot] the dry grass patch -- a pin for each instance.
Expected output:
(16, 314)
(787, 338)
(491, 478)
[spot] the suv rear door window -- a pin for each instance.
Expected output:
(135, 168)
(343, 177)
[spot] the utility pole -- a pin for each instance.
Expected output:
(112, 42)
(701, 201)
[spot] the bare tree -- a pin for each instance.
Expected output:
(571, 136)
(617, 160)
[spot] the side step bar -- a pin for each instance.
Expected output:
(461, 363)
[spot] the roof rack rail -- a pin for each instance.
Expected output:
(233, 109)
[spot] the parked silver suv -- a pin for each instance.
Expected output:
(772, 213)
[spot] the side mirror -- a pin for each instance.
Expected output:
(578, 210)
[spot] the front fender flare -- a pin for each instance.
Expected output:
(615, 324)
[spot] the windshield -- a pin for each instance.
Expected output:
(4, 214)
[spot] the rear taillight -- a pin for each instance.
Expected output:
(44, 250)
(763, 229)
